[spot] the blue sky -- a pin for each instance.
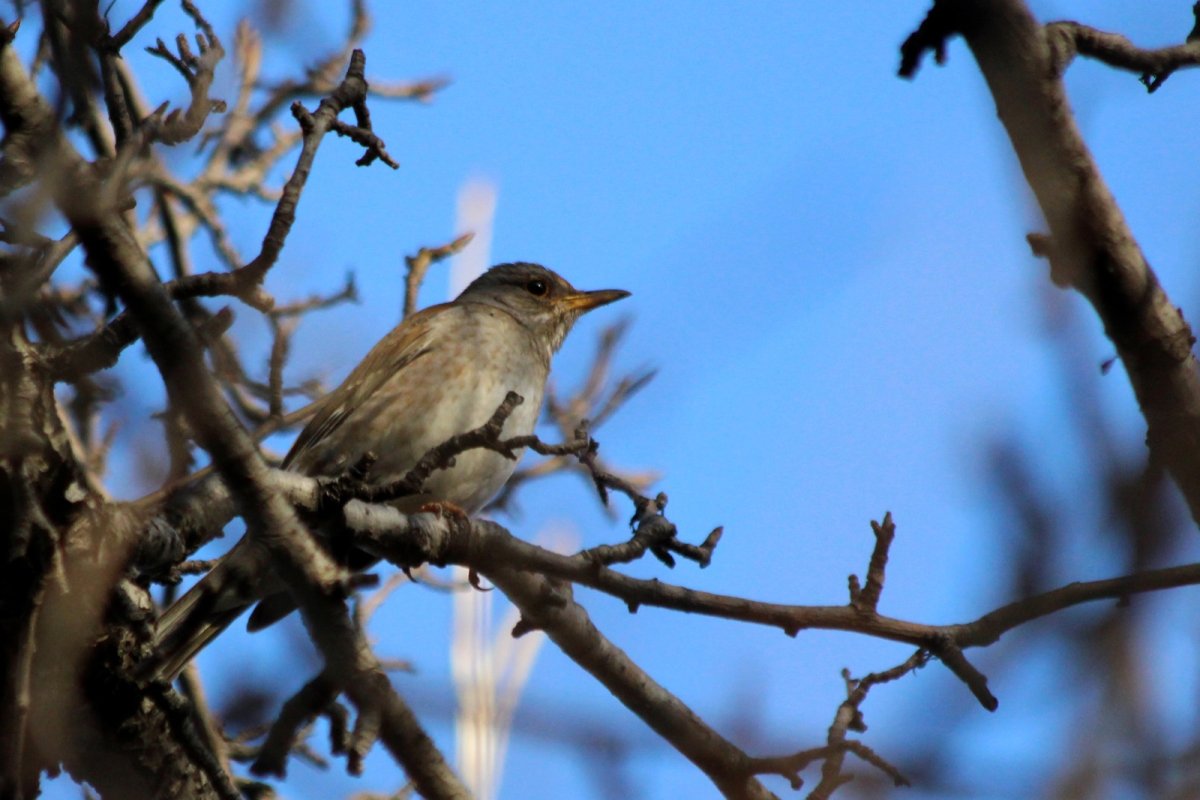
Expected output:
(828, 270)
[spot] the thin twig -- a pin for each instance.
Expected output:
(419, 264)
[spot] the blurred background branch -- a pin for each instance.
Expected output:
(125, 150)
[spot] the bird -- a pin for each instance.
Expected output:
(442, 371)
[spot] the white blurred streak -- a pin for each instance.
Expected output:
(476, 213)
(472, 667)
(515, 657)
(490, 670)
(488, 666)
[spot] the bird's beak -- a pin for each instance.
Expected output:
(586, 301)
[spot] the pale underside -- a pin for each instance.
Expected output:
(450, 374)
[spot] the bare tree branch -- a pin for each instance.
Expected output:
(1090, 245)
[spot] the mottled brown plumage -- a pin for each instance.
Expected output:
(442, 371)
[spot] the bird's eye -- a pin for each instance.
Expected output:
(537, 287)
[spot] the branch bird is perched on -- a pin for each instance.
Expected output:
(440, 372)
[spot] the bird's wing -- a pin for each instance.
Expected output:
(407, 342)
(243, 575)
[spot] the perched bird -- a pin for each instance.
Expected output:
(440, 372)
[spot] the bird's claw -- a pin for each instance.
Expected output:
(446, 509)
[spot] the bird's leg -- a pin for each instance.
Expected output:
(444, 508)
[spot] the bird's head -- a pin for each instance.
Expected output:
(539, 298)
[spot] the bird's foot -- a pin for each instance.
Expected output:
(444, 508)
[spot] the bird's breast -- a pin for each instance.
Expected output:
(476, 357)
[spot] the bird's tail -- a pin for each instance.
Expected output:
(205, 610)
(184, 629)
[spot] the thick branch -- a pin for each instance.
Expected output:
(550, 608)
(1091, 247)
